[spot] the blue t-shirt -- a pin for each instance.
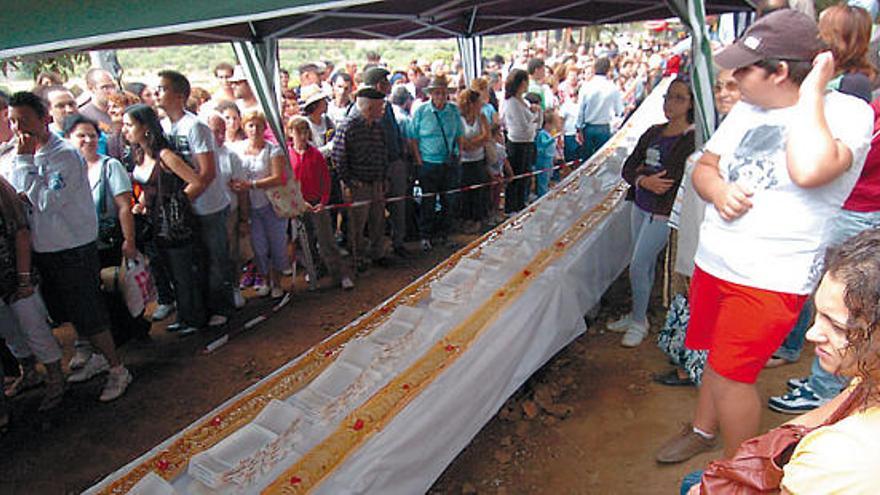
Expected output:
(425, 128)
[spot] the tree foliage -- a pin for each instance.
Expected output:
(65, 64)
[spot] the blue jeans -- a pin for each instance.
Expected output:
(542, 180)
(190, 306)
(826, 385)
(571, 148)
(594, 137)
(693, 478)
(649, 234)
(214, 263)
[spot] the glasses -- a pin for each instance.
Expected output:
(726, 86)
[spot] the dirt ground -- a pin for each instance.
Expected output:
(588, 422)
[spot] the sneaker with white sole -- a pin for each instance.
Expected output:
(426, 245)
(347, 284)
(276, 293)
(117, 383)
(634, 335)
(621, 325)
(162, 311)
(795, 383)
(798, 401)
(262, 290)
(217, 320)
(82, 351)
(96, 365)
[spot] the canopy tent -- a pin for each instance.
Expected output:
(35, 27)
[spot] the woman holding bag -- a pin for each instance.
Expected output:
(168, 184)
(111, 192)
(264, 164)
(836, 447)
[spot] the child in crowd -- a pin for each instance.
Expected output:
(498, 171)
(775, 173)
(545, 144)
(310, 169)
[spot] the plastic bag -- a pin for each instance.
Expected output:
(137, 285)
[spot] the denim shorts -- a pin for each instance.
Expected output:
(71, 288)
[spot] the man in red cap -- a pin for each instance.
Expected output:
(774, 174)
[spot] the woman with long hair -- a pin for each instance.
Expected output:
(161, 173)
(474, 202)
(235, 137)
(654, 170)
(521, 121)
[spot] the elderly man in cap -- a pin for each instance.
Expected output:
(436, 131)
(398, 165)
(361, 159)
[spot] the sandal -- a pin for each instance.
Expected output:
(671, 379)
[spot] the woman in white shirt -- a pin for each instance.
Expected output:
(521, 121)
(263, 164)
(475, 202)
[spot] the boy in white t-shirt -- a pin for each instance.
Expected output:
(775, 173)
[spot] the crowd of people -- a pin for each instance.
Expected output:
(181, 179)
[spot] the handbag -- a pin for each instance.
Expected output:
(756, 467)
(453, 158)
(109, 229)
(175, 219)
(287, 199)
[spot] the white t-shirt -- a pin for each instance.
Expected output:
(569, 113)
(229, 167)
(117, 183)
(779, 243)
(190, 136)
(258, 167)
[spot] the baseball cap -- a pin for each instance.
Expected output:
(785, 34)
(375, 75)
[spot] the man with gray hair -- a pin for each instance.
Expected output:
(360, 155)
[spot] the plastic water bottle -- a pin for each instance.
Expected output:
(417, 192)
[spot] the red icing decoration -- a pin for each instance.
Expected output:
(501, 293)
(216, 421)
(328, 353)
(526, 273)
(295, 480)
(358, 425)
(450, 348)
(406, 386)
(162, 464)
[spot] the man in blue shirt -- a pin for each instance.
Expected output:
(436, 131)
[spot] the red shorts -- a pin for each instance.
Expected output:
(740, 326)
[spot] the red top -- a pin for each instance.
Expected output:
(865, 196)
(310, 169)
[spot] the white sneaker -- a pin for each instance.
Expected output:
(262, 290)
(634, 335)
(217, 320)
(238, 298)
(81, 354)
(426, 245)
(162, 311)
(347, 284)
(621, 325)
(96, 365)
(277, 292)
(117, 382)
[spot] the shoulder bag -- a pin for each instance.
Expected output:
(453, 158)
(109, 229)
(175, 220)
